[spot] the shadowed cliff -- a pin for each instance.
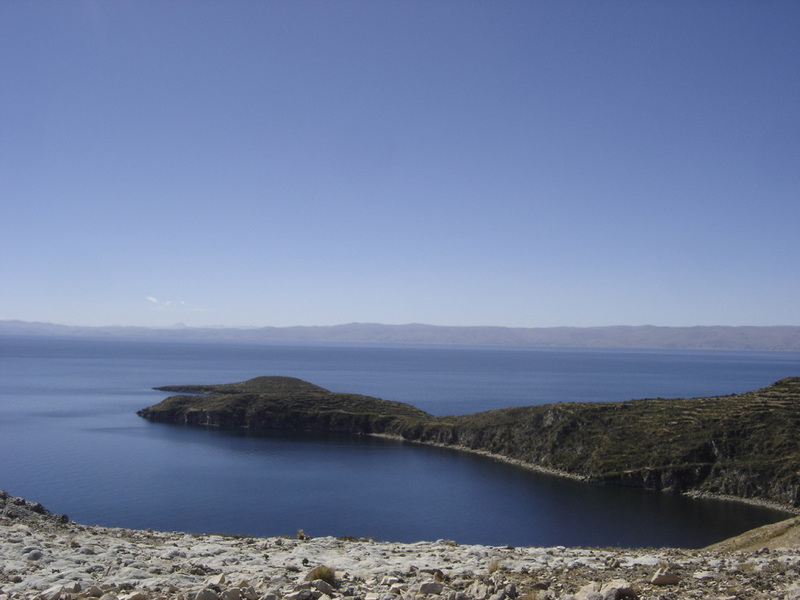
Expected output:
(742, 445)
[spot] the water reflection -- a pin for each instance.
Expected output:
(335, 485)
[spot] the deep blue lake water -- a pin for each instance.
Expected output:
(70, 438)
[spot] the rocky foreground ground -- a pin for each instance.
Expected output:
(47, 557)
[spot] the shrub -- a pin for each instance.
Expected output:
(327, 574)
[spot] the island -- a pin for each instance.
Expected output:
(744, 446)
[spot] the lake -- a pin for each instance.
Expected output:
(70, 438)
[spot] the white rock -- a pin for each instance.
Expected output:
(664, 577)
(705, 575)
(217, 580)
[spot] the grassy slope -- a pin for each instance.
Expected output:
(744, 445)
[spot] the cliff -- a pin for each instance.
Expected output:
(743, 445)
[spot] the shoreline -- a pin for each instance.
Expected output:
(47, 557)
(694, 494)
(498, 457)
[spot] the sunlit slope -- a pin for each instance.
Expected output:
(744, 445)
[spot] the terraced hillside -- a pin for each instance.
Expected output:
(743, 445)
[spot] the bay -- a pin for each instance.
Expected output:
(70, 438)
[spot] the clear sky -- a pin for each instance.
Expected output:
(531, 163)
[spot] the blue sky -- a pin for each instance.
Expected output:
(445, 162)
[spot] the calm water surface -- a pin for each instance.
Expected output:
(70, 438)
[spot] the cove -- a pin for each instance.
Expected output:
(70, 439)
(334, 484)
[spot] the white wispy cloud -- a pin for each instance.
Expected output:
(163, 304)
(156, 304)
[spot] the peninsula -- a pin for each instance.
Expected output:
(743, 446)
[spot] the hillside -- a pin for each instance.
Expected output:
(282, 403)
(743, 445)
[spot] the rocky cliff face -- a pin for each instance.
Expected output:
(744, 445)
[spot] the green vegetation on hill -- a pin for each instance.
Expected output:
(283, 403)
(743, 445)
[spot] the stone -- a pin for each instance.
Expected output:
(478, 591)
(206, 594)
(231, 594)
(323, 586)
(53, 593)
(590, 591)
(793, 592)
(664, 577)
(249, 592)
(217, 580)
(704, 575)
(433, 588)
(618, 589)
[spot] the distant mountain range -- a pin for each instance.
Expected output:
(776, 338)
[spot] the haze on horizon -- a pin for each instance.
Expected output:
(519, 164)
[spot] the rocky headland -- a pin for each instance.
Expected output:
(47, 557)
(742, 446)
